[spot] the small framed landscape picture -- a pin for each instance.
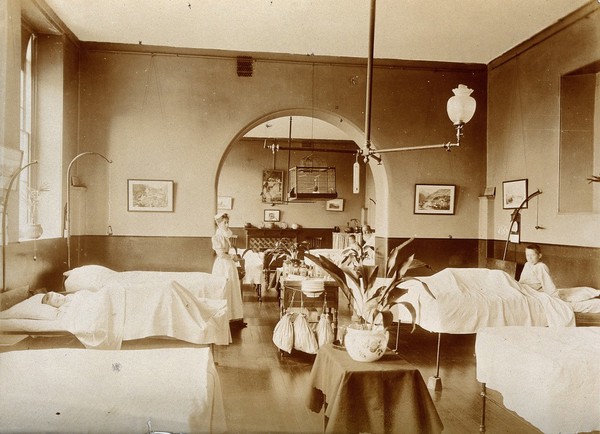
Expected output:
(149, 195)
(272, 215)
(435, 198)
(514, 193)
(225, 202)
(335, 205)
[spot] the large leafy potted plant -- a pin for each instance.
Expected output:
(370, 298)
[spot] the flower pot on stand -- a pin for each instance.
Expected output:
(32, 231)
(365, 345)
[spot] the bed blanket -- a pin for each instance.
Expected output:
(102, 319)
(468, 299)
(549, 376)
(127, 391)
(94, 277)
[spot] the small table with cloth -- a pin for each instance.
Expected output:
(386, 396)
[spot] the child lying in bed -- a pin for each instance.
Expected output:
(54, 299)
(536, 274)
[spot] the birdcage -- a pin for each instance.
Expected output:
(312, 183)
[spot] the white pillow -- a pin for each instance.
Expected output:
(579, 293)
(87, 277)
(32, 308)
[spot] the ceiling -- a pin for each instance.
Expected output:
(469, 31)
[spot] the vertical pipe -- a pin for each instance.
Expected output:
(370, 76)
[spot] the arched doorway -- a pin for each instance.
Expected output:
(375, 200)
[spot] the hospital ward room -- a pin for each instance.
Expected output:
(352, 216)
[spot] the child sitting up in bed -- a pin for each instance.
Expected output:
(536, 274)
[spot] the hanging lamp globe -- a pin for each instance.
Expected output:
(461, 107)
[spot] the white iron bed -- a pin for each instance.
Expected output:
(104, 317)
(203, 285)
(550, 376)
(470, 299)
(133, 391)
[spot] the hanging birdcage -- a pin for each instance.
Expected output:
(312, 183)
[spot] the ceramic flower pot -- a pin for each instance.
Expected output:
(365, 345)
(32, 231)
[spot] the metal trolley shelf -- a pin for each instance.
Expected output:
(292, 299)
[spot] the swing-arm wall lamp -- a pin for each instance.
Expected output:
(4, 215)
(68, 204)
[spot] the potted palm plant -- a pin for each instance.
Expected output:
(290, 253)
(370, 298)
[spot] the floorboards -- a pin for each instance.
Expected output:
(264, 392)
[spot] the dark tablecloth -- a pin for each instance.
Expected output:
(387, 396)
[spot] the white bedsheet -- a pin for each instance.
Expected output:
(94, 277)
(103, 319)
(74, 390)
(468, 299)
(549, 376)
(253, 266)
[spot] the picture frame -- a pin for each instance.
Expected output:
(435, 198)
(272, 215)
(225, 202)
(334, 205)
(150, 195)
(272, 186)
(514, 192)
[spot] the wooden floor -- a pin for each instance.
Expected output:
(265, 393)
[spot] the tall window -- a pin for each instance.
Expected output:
(25, 179)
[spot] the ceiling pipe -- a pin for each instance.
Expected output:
(369, 104)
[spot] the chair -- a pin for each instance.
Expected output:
(314, 242)
(253, 270)
(270, 267)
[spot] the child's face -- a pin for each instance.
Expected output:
(54, 299)
(533, 257)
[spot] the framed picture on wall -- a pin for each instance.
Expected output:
(272, 186)
(434, 198)
(225, 202)
(335, 205)
(150, 195)
(272, 215)
(514, 193)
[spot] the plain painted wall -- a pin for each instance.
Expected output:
(170, 117)
(524, 133)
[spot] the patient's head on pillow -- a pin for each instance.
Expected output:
(54, 299)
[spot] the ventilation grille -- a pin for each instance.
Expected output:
(244, 66)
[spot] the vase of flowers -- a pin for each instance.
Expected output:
(33, 229)
(370, 298)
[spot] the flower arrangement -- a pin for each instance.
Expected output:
(285, 251)
(33, 200)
